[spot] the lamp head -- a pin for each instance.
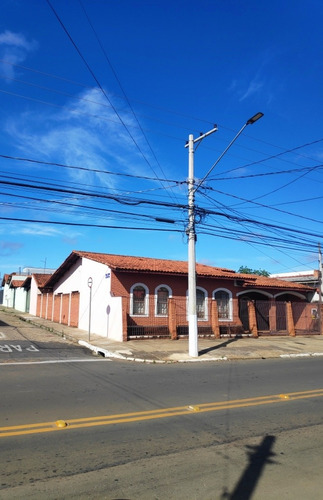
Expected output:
(254, 118)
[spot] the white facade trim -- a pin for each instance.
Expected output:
(170, 294)
(230, 318)
(146, 314)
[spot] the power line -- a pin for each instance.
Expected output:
(123, 200)
(74, 205)
(78, 167)
(100, 86)
(266, 174)
(120, 85)
(79, 224)
(266, 206)
(270, 157)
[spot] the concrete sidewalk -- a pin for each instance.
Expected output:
(170, 351)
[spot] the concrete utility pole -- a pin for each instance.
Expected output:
(192, 316)
(90, 284)
(320, 289)
(191, 233)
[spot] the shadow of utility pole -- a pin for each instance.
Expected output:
(259, 456)
(223, 344)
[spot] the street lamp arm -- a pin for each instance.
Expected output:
(251, 120)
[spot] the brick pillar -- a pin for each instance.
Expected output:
(172, 324)
(290, 320)
(125, 311)
(252, 318)
(215, 319)
(272, 316)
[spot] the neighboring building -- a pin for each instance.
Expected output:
(17, 289)
(123, 297)
(13, 293)
(32, 285)
(310, 278)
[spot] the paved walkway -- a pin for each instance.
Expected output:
(168, 351)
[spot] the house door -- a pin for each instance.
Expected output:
(28, 301)
(262, 314)
(244, 314)
(281, 325)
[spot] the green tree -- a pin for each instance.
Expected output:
(248, 270)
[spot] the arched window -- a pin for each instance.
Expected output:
(139, 300)
(162, 295)
(201, 309)
(224, 303)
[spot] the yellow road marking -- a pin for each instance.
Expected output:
(76, 423)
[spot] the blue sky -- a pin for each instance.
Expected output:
(98, 99)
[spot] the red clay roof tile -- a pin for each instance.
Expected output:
(16, 283)
(41, 279)
(123, 263)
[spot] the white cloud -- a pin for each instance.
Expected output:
(85, 132)
(40, 230)
(17, 40)
(14, 48)
(254, 87)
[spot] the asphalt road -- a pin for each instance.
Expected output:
(22, 342)
(232, 430)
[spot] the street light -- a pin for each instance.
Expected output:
(192, 189)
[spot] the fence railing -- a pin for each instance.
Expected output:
(271, 319)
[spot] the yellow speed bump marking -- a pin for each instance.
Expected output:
(123, 418)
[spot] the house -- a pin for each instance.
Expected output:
(13, 292)
(20, 290)
(124, 297)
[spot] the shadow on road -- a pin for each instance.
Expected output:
(214, 348)
(259, 456)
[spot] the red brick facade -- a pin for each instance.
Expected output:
(251, 299)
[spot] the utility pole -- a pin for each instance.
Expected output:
(320, 289)
(191, 233)
(192, 316)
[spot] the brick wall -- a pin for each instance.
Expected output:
(75, 306)
(38, 307)
(121, 283)
(50, 306)
(65, 308)
(57, 308)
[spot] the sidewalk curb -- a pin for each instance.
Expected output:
(174, 356)
(109, 354)
(100, 350)
(301, 355)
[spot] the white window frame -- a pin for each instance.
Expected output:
(230, 318)
(156, 300)
(206, 309)
(146, 313)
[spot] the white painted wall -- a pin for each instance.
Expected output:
(15, 297)
(7, 296)
(21, 299)
(106, 311)
(114, 319)
(34, 292)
